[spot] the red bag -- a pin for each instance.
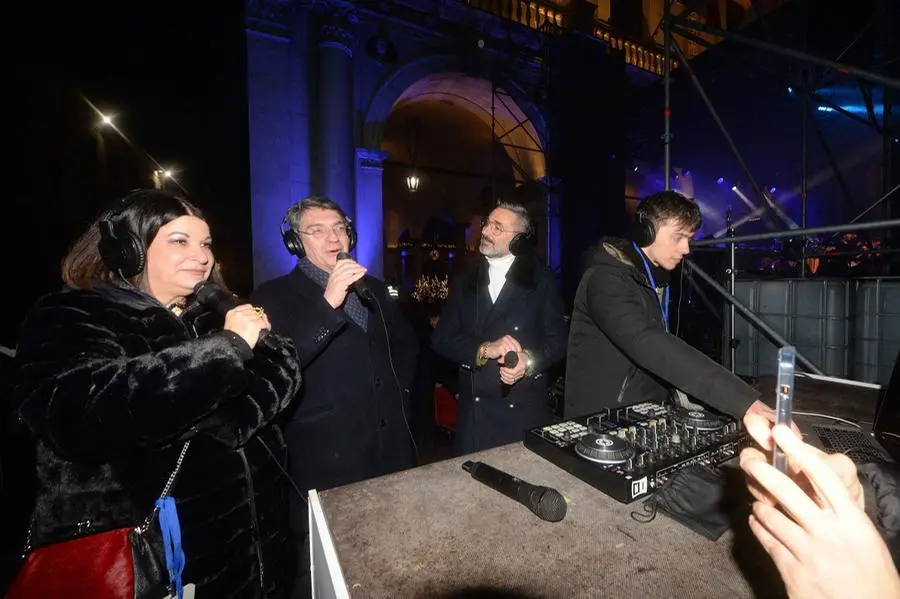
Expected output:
(118, 564)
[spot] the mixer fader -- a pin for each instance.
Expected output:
(629, 452)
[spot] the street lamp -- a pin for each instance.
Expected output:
(160, 176)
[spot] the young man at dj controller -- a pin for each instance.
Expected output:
(620, 349)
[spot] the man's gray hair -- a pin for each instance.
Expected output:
(294, 213)
(520, 211)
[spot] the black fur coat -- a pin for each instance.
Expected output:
(111, 384)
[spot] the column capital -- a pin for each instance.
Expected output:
(269, 14)
(337, 17)
(371, 158)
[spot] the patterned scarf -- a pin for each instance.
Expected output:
(352, 306)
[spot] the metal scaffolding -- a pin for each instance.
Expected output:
(683, 26)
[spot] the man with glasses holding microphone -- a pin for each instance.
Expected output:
(503, 323)
(358, 358)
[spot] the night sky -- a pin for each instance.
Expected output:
(175, 78)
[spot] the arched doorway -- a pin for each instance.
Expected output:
(443, 92)
(469, 143)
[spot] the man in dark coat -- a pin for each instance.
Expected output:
(620, 350)
(358, 358)
(507, 303)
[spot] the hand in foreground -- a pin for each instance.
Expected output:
(512, 375)
(498, 348)
(758, 421)
(345, 273)
(842, 466)
(247, 322)
(823, 545)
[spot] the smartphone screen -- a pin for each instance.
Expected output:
(784, 396)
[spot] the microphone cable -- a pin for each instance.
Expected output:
(390, 354)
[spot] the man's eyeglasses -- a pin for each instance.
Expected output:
(496, 227)
(321, 232)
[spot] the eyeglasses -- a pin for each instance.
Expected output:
(321, 232)
(496, 227)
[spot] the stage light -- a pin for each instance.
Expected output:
(720, 180)
(790, 90)
(772, 190)
(734, 188)
(412, 183)
(637, 169)
(105, 119)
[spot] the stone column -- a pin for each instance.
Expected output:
(370, 210)
(554, 223)
(335, 154)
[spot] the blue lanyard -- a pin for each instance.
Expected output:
(664, 306)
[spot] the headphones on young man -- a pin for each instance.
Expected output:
(120, 249)
(294, 244)
(643, 232)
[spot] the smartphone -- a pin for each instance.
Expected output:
(784, 398)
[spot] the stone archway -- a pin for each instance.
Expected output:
(441, 76)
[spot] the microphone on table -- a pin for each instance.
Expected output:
(546, 503)
(360, 287)
(510, 360)
(218, 300)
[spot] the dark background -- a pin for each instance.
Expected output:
(174, 76)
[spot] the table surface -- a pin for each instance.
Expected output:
(433, 531)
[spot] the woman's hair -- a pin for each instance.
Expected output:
(142, 213)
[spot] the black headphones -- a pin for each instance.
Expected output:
(295, 246)
(643, 232)
(120, 249)
(523, 241)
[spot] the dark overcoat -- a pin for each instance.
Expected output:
(528, 308)
(351, 422)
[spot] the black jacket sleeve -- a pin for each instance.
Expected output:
(616, 308)
(448, 338)
(273, 380)
(80, 392)
(310, 321)
(881, 488)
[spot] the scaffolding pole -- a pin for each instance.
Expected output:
(750, 316)
(840, 67)
(667, 85)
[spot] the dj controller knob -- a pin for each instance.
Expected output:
(629, 464)
(675, 438)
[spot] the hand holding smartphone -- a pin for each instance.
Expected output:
(784, 397)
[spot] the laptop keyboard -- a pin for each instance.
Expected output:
(856, 445)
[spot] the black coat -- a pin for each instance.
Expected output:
(111, 383)
(528, 308)
(620, 352)
(351, 422)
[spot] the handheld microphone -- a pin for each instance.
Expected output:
(218, 300)
(510, 360)
(359, 286)
(546, 503)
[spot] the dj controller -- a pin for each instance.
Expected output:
(630, 452)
